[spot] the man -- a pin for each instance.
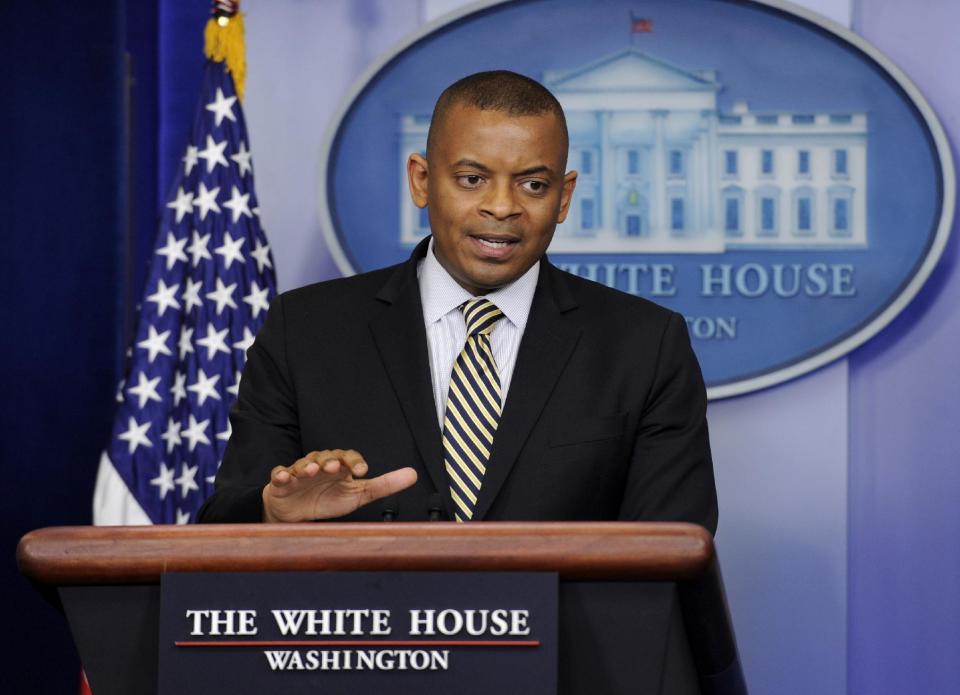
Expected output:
(475, 381)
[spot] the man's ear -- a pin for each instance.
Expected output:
(566, 195)
(418, 175)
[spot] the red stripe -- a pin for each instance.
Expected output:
(367, 643)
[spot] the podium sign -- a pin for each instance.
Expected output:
(349, 632)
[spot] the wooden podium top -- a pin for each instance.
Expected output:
(585, 551)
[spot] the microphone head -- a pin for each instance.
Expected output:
(391, 508)
(435, 510)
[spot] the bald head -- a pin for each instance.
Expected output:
(497, 90)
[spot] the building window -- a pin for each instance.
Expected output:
(633, 225)
(803, 162)
(766, 162)
(767, 210)
(768, 120)
(586, 162)
(768, 215)
(803, 119)
(633, 162)
(840, 162)
(803, 211)
(586, 213)
(804, 222)
(841, 118)
(676, 214)
(841, 211)
(841, 216)
(731, 215)
(676, 163)
(733, 211)
(730, 162)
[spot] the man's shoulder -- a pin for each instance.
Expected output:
(350, 294)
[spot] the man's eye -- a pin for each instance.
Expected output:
(470, 180)
(535, 186)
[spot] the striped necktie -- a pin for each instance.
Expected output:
(473, 408)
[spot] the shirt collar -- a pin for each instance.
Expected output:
(440, 294)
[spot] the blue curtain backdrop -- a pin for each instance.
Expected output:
(98, 97)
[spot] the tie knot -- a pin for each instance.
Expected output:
(481, 315)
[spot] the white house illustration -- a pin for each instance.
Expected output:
(661, 170)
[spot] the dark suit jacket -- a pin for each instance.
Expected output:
(605, 417)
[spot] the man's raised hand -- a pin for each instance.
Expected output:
(327, 484)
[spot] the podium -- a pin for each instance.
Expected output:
(642, 606)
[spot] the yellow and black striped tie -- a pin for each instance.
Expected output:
(473, 408)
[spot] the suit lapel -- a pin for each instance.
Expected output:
(547, 343)
(402, 343)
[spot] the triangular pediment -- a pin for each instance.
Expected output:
(629, 70)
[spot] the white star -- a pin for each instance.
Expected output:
(183, 203)
(198, 247)
(235, 389)
(214, 342)
(222, 107)
(223, 296)
(178, 389)
(155, 343)
(184, 345)
(136, 435)
(188, 479)
(189, 159)
(145, 390)
(172, 434)
(205, 387)
(242, 158)
(261, 254)
(230, 250)
(196, 432)
(238, 203)
(257, 299)
(173, 250)
(164, 298)
(164, 481)
(212, 478)
(213, 153)
(183, 517)
(120, 389)
(246, 342)
(206, 200)
(191, 294)
(225, 435)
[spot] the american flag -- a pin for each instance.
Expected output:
(211, 280)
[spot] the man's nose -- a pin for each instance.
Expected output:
(500, 202)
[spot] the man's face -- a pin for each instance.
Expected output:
(496, 191)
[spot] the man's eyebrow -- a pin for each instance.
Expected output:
(473, 164)
(541, 169)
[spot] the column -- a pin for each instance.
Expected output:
(713, 186)
(608, 176)
(659, 198)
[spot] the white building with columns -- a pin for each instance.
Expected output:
(662, 170)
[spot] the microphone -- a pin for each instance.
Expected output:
(435, 507)
(391, 509)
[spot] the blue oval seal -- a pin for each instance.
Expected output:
(756, 167)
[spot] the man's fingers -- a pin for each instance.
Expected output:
(280, 476)
(387, 484)
(331, 461)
